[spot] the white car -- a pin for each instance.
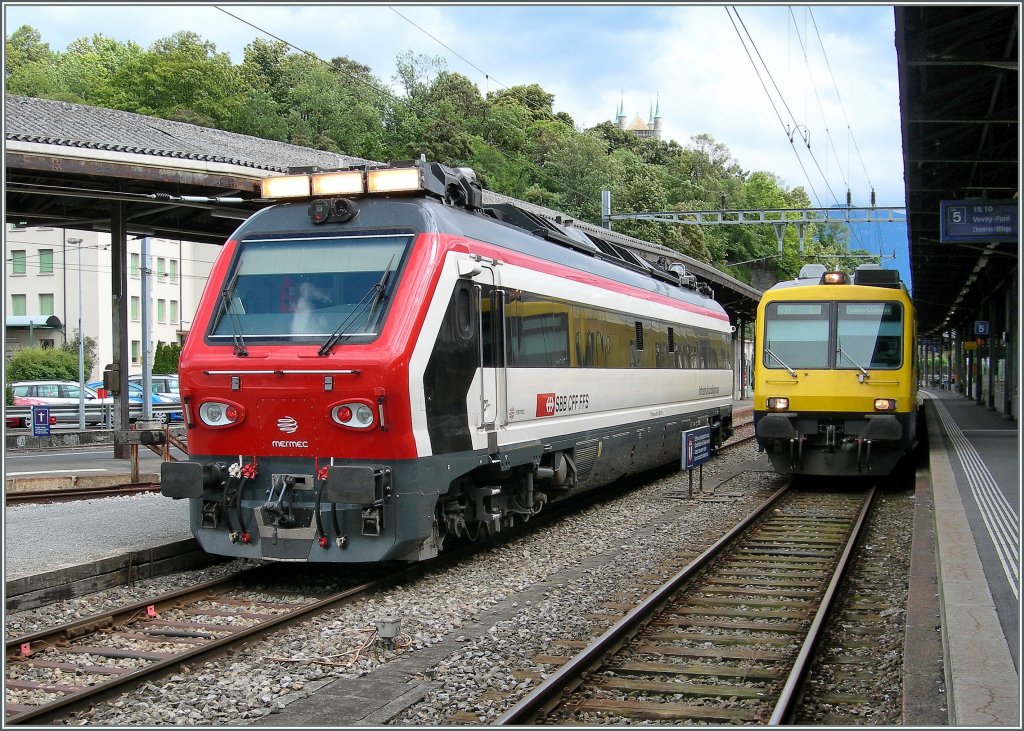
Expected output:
(162, 384)
(61, 393)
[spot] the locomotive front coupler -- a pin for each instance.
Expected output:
(276, 505)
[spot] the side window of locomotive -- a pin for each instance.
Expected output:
(538, 333)
(869, 334)
(464, 311)
(797, 335)
(284, 288)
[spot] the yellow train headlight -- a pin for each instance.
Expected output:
(885, 404)
(778, 403)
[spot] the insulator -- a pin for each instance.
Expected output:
(723, 202)
(849, 198)
(872, 197)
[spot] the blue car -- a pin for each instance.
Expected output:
(135, 394)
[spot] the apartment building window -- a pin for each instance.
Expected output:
(18, 261)
(161, 267)
(135, 309)
(46, 304)
(18, 304)
(161, 311)
(133, 267)
(136, 348)
(173, 264)
(46, 261)
(174, 311)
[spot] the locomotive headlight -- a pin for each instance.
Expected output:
(778, 403)
(285, 186)
(220, 413)
(834, 278)
(349, 182)
(319, 211)
(393, 180)
(885, 404)
(352, 414)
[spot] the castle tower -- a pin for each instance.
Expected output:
(638, 127)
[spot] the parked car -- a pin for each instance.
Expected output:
(16, 422)
(59, 393)
(135, 397)
(55, 393)
(162, 383)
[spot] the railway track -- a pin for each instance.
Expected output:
(78, 493)
(727, 639)
(52, 673)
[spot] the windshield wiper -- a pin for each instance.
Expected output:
(236, 329)
(366, 303)
(769, 352)
(381, 288)
(843, 353)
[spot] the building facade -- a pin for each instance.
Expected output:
(43, 279)
(651, 129)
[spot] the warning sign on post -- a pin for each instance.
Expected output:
(696, 447)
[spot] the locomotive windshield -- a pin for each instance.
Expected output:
(797, 334)
(309, 288)
(845, 335)
(869, 334)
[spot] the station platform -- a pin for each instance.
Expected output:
(964, 569)
(973, 531)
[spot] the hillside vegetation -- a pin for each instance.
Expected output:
(513, 138)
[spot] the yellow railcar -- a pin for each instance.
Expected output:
(835, 373)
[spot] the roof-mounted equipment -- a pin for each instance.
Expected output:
(811, 271)
(874, 275)
(453, 186)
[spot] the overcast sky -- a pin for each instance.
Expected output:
(831, 73)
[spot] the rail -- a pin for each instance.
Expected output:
(747, 599)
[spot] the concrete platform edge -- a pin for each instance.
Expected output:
(924, 694)
(984, 688)
(29, 592)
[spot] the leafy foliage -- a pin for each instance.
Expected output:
(165, 359)
(39, 364)
(512, 137)
(88, 353)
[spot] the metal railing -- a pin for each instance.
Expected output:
(96, 415)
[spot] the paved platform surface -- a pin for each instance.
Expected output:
(974, 465)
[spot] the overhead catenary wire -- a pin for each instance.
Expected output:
(774, 108)
(840, 99)
(777, 91)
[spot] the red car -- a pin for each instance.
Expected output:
(15, 422)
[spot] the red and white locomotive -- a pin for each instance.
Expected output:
(383, 364)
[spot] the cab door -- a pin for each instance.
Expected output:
(491, 351)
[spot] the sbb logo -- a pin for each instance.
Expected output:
(545, 404)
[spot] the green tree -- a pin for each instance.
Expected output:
(636, 188)
(39, 364)
(88, 353)
(578, 170)
(25, 47)
(165, 359)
